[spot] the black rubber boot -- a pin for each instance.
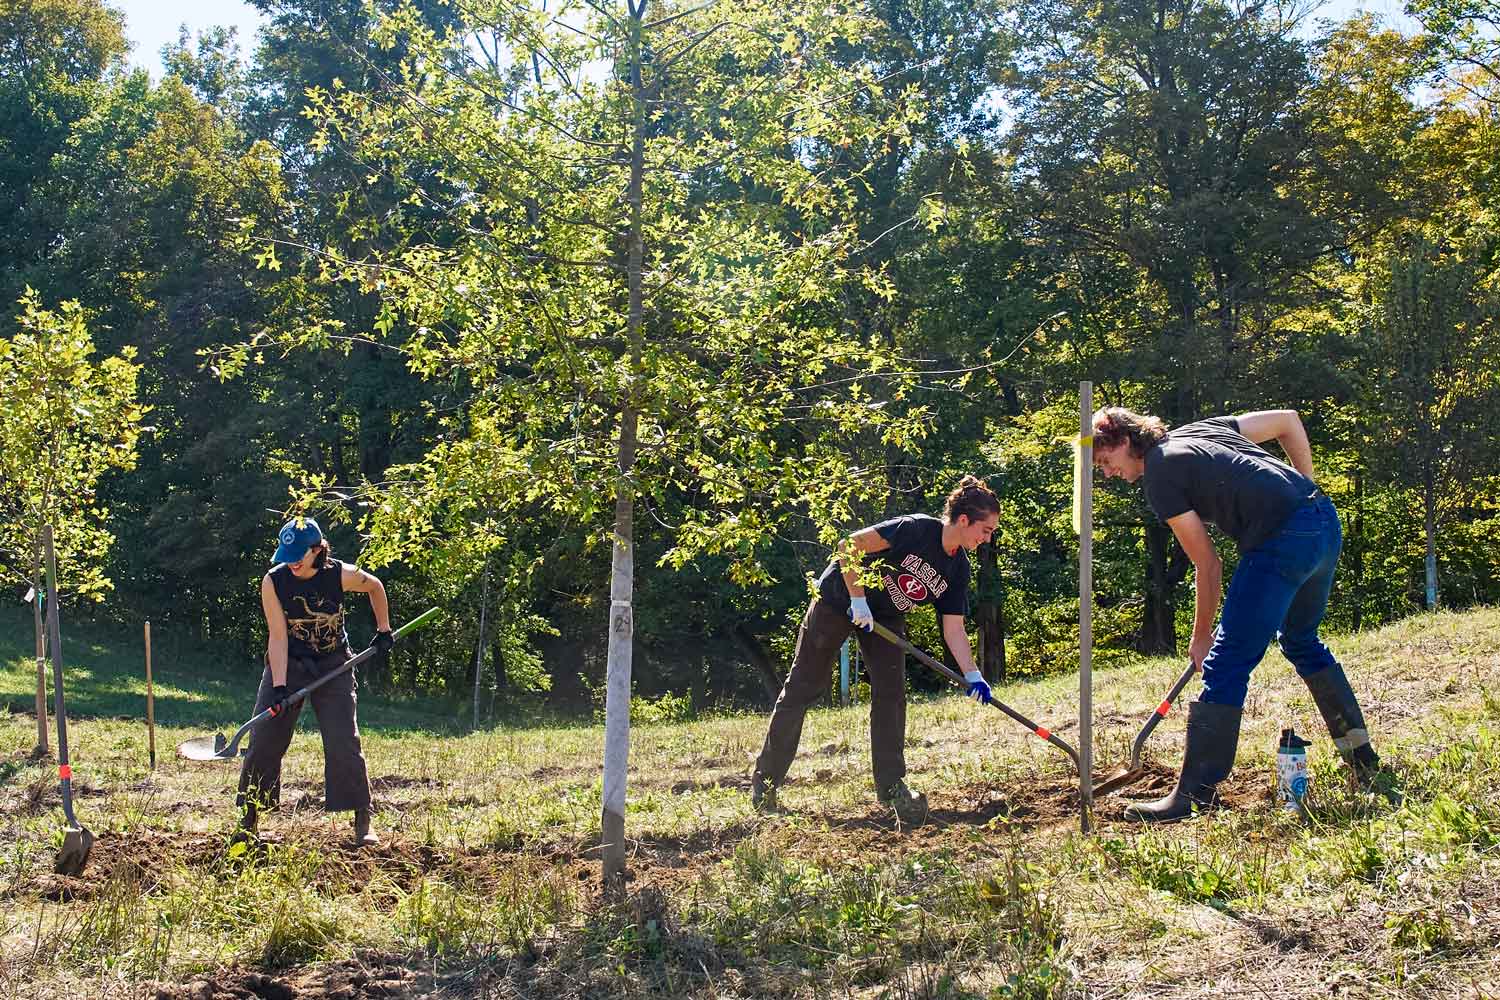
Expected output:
(1346, 723)
(1213, 735)
(244, 830)
(910, 807)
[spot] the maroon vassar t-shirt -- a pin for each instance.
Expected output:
(914, 570)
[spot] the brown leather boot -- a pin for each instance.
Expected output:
(363, 836)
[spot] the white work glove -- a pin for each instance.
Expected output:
(860, 613)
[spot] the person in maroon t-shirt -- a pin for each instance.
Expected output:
(879, 574)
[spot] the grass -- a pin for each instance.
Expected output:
(487, 883)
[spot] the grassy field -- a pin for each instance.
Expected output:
(487, 882)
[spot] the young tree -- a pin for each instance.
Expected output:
(1433, 334)
(630, 272)
(64, 422)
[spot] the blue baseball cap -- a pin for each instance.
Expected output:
(295, 538)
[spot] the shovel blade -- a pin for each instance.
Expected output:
(213, 747)
(1120, 779)
(77, 843)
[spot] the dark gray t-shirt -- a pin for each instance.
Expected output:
(914, 570)
(1232, 482)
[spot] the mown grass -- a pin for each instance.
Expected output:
(488, 876)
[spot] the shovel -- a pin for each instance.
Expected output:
(1041, 731)
(215, 747)
(1127, 775)
(78, 841)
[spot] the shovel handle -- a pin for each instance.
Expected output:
(59, 708)
(232, 749)
(922, 655)
(1160, 713)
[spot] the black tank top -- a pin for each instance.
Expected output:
(314, 610)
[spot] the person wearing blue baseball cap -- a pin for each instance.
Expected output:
(303, 600)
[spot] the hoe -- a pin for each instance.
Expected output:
(1128, 775)
(1041, 731)
(78, 841)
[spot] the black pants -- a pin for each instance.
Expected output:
(346, 782)
(823, 631)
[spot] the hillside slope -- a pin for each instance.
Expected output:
(487, 884)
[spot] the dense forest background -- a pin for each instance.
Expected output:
(417, 268)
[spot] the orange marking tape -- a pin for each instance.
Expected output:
(1043, 733)
(64, 772)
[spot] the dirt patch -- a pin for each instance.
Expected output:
(705, 782)
(42, 794)
(390, 782)
(367, 977)
(144, 860)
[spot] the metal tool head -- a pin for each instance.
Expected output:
(1120, 779)
(213, 747)
(77, 843)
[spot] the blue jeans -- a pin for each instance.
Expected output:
(1279, 591)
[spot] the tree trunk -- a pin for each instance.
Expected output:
(484, 600)
(1158, 635)
(770, 680)
(622, 577)
(1429, 527)
(989, 615)
(1357, 547)
(41, 659)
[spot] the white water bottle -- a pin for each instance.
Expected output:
(1291, 769)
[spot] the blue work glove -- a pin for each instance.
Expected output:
(860, 614)
(977, 689)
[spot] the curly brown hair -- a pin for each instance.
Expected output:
(1115, 424)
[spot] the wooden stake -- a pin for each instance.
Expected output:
(1085, 473)
(150, 704)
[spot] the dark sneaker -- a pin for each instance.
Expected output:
(762, 793)
(363, 837)
(910, 807)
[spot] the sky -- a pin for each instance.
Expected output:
(151, 24)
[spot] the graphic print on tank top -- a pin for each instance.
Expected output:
(314, 609)
(322, 631)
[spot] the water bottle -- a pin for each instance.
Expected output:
(1291, 769)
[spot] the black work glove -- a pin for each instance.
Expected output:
(383, 641)
(278, 699)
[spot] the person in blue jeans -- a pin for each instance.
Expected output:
(1215, 472)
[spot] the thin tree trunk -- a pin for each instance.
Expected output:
(1158, 636)
(1429, 526)
(41, 660)
(484, 600)
(622, 578)
(1357, 553)
(989, 615)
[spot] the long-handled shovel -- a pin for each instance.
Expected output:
(1127, 775)
(1041, 731)
(77, 840)
(215, 747)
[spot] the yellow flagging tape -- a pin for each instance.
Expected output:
(1078, 486)
(1079, 442)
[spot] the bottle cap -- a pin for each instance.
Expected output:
(1291, 741)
